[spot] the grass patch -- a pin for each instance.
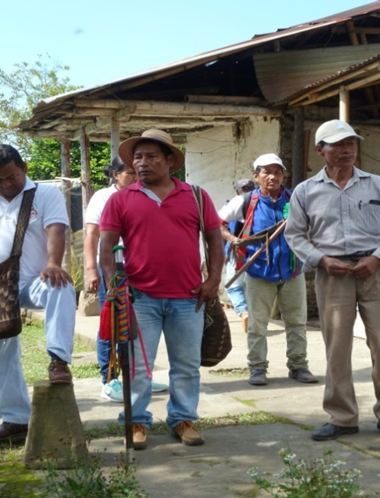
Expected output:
(35, 360)
(158, 429)
(15, 480)
(232, 372)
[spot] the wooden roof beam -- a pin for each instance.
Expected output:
(176, 108)
(355, 41)
(104, 122)
(336, 81)
(358, 30)
(100, 103)
(352, 86)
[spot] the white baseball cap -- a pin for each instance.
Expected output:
(334, 131)
(267, 160)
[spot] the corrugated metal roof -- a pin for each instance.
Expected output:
(344, 78)
(184, 64)
(282, 74)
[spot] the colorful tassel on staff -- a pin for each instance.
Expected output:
(126, 322)
(105, 332)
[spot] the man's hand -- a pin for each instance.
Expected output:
(335, 267)
(207, 291)
(366, 267)
(56, 275)
(93, 279)
(236, 241)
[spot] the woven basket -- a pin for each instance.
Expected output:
(216, 342)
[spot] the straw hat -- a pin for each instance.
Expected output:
(126, 148)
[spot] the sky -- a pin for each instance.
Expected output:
(103, 40)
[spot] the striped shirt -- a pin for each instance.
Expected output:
(325, 219)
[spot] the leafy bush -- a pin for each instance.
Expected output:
(87, 479)
(322, 477)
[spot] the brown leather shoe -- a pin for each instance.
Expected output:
(13, 433)
(59, 373)
(140, 436)
(244, 320)
(188, 434)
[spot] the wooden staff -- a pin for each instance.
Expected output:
(256, 254)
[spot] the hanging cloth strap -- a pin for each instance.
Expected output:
(23, 221)
(241, 252)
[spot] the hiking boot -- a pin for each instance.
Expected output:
(303, 375)
(244, 320)
(13, 433)
(59, 373)
(113, 391)
(140, 436)
(187, 433)
(258, 377)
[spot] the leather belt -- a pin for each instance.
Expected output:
(356, 256)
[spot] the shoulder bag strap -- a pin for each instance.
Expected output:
(23, 221)
(199, 201)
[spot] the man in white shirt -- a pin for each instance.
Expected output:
(334, 227)
(42, 284)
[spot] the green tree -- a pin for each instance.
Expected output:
(20, 91)
(45, 161)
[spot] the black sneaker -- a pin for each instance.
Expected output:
(303, 375)
(258, 377)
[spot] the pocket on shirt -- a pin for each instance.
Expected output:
(368, 219)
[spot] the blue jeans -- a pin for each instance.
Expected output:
(236, 290)
(183, 328)
(59, 306)
(103, 346)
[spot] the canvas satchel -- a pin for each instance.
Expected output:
(216, 341)
(10, 317)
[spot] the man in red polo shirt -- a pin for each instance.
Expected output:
(158, 220)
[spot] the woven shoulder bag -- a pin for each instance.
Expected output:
(10, 316)
(216, 342)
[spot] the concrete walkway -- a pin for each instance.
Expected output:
(219, 468)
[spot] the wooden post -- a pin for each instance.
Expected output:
(344, 105)
(86, 182)
(66, 190)
(115, 138)
(298, 148)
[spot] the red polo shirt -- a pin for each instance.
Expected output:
(161, 256)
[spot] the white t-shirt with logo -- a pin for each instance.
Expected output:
(48, 207)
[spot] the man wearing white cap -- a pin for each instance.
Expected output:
(275, 273)
(334, 227)
(158, 220)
